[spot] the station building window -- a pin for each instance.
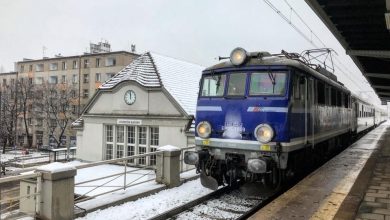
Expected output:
(154, 137)
(121, 141)
(109, 141)
(131, 142)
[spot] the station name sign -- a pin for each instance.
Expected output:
(128, 122)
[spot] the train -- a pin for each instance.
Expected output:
(261, 117)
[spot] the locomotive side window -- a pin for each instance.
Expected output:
(296, 91)
(327, 95)
(213, 85)
(268, 83)
(321, 93)
(339, 101)
(333, 97)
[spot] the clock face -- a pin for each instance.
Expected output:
(130, 97)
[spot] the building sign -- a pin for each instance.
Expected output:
(128, 122)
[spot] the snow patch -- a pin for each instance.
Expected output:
(168, 148)
(156, 204)
(56, 167)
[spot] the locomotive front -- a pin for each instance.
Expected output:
(241, 119)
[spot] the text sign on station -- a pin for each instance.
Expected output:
(128, 122)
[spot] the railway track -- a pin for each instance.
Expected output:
(224, 203)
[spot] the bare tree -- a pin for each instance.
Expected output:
(25, 100)
(8, 114)
(57, 100)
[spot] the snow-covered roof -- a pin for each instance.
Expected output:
(179, 78)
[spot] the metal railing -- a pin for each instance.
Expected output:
(10, 205)
(97, 184)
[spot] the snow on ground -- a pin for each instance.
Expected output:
(10, 155)
(152, 205)
(108, 184)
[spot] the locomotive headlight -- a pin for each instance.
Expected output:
(264, 133)
(204, 129)
(238, 56)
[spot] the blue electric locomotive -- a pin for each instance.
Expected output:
(259, 115)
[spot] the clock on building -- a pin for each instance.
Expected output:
(130, 97)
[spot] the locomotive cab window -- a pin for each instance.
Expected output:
(237, 82)
(268, 83)
(213, 85)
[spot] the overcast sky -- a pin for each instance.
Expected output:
(197, 31)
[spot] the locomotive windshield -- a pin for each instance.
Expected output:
(268, 83)
(237, 83)
(213, 85)
(261, 83)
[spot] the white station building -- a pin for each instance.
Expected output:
(150, 103)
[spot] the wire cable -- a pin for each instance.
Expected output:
(274, 8)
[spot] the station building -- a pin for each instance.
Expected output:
(149, 103)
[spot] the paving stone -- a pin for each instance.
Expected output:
(376, 195)
(383, 200)
(375, 204)
(372, 216)
(378, 187)
(383, 192)
(369, 199)
(381, 211)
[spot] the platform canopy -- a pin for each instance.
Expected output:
(362, 27)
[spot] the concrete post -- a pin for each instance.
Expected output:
(57, 191)
(168, 166)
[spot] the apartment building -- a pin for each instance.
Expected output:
(81, 74)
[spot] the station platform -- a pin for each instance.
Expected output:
(353, 185)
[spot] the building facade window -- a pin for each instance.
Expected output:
(86, 63)
(74, 78)
(30, 68)
(109, 142)
(75, 64)
(38, 80)
(154, 143)
(86, 78)
(53, 80)
(53, 66)
(63, 79)
(109, 75)
(39, 67)
(97, 62)
(21, 68)
(131, 140)
(85, 93)
(120, 141)
(98, 77)
(64, 65)
(110, 61)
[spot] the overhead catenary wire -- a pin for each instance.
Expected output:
(310, 40)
